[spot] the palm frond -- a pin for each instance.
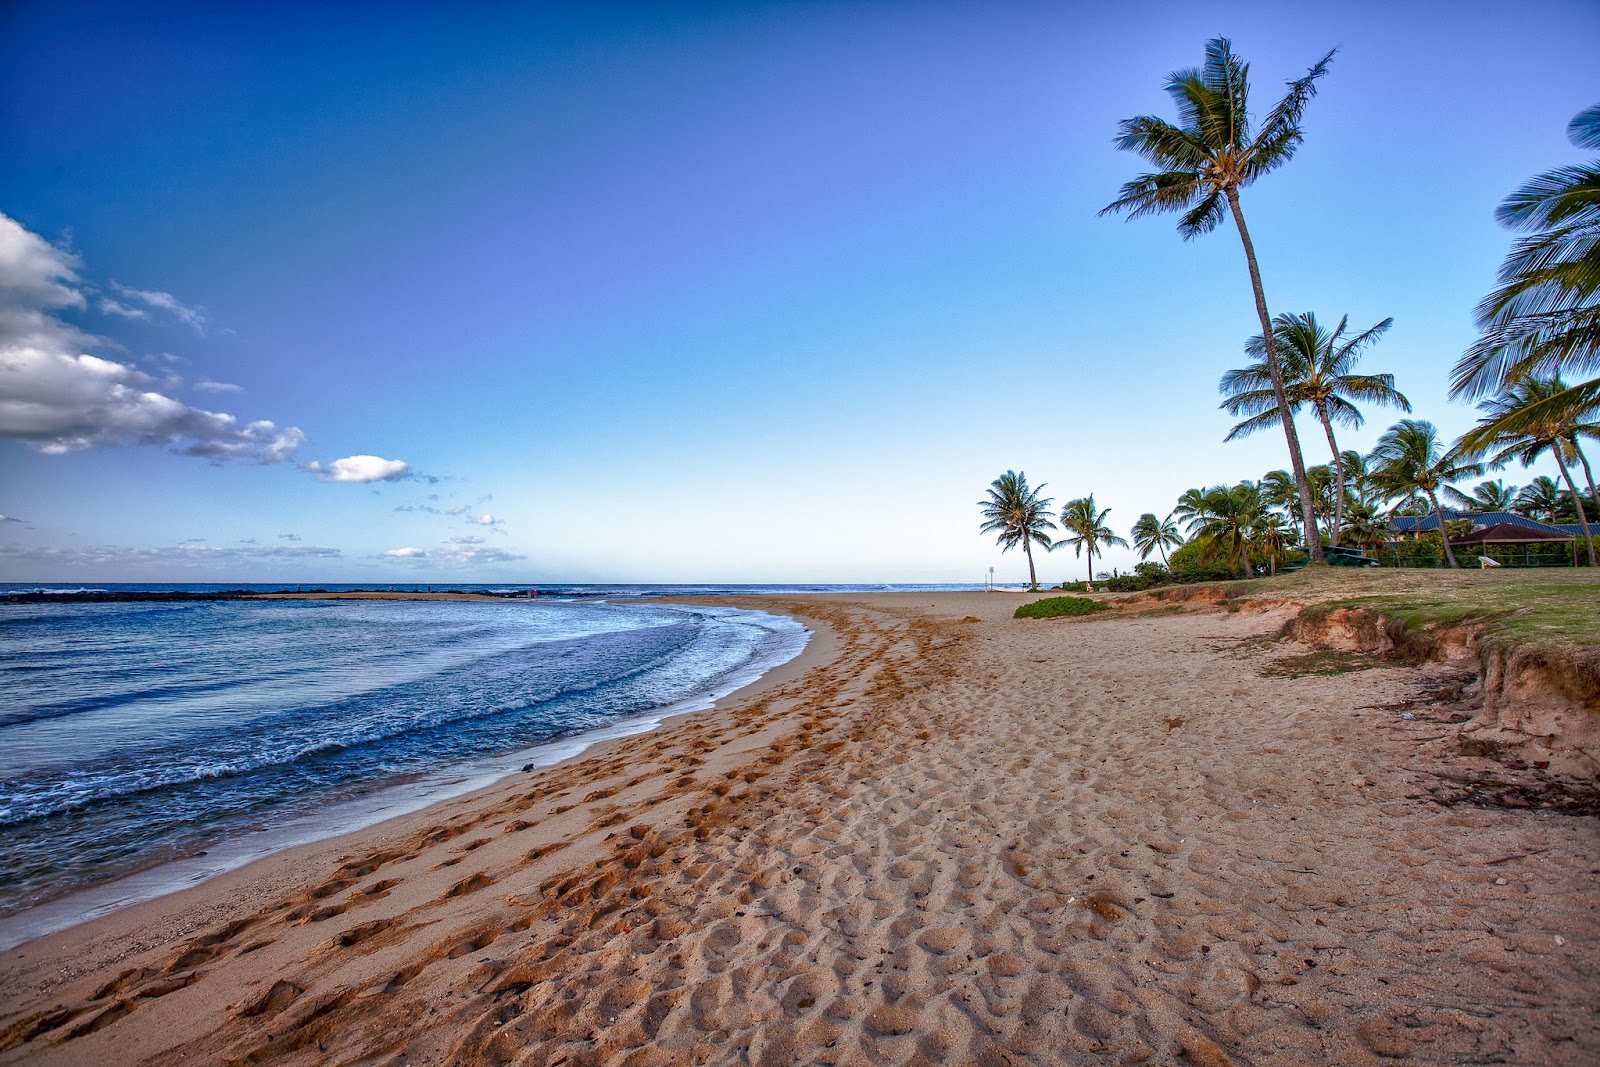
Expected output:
(1584, 129)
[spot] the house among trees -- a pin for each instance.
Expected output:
(1503, 536)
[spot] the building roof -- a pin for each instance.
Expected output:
(1480, 520)
(1505, 533)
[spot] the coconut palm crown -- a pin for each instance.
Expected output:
(1544, 318)
(1085, 527)
(1503, 436)
(1203, 163)
(1017, 512)
(1317, 371)
(1151, 534)
(1408, 460)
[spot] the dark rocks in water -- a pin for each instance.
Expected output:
(526, 767)
(122, 596)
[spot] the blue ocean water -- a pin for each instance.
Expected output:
(134, 734)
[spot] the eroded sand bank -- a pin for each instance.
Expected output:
(931, 841)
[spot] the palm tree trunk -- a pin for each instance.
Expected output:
(1027, 550)
(1090, 581)
(1588, 475)
(1583, 520)
(1338, 477)
(1444, 538)
(1308, 516)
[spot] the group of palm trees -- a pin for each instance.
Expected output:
(1543, 321)
(1020, 514)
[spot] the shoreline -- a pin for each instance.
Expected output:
(940, 833)
(366, 808)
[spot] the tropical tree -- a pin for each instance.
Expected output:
(1486, 496)
(1151, 534)
(1318, 372)
(1191, 508)
(1203, 163)
(1271, 537)
(1365, 527)
(1544, 318)
(1408, 460)
(1503, 435)
(1540, 497)
(1084, 527)
(1233, 514)
(1019, 515)
(1278, 490)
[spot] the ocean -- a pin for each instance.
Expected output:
(149, 745)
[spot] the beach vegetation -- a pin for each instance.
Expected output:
(1085, 527)
(1507, 432)
(1018, 514)
(1409, 459)
(1057, 607)
(1318, 371)
(1151, 534)
(1543, 319)
(1202, 164)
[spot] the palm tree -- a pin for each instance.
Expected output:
(1367, 529)
(1234, 512)
(1203, 164)
(1151, 534)
(1542, 496)
(1019, 515)
(1191, 508)
(1271, 537)
(1545, 316)
(1408, 460)
(1530, 440)
(1317, 371)
(1278, 490)
(1487, 496)
(1085, 528)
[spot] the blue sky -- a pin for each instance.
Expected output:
(743, 292)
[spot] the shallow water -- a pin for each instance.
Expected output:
(135, 734)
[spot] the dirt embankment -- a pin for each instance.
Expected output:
(1542, 696)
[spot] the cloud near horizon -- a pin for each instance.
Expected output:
(453, 552)
(360, 469)
(188, 552)
(56, 397)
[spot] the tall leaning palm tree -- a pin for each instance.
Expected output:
(1318, 371)
(1408, 460)
(1525, 441)
(1203, 163)
(1019, 515)
(1151, 534)
(1085, 527)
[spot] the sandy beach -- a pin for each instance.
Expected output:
(940, 836)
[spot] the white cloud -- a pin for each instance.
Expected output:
(453, 553)
(56, 397)
(111, 307)
(466, 539)
(57, 559)
(206, 385)
(194, 318)
(11, 518)
(290, 537)
(485, 520)
(359, 469)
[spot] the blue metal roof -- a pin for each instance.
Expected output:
(1480, 520)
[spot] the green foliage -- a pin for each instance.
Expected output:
(1152, 570)
(1057, 607)
(1200, 561)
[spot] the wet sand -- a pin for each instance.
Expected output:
(942, 836)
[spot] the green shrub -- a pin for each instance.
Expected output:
(1059, 606)
(1197, 561)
